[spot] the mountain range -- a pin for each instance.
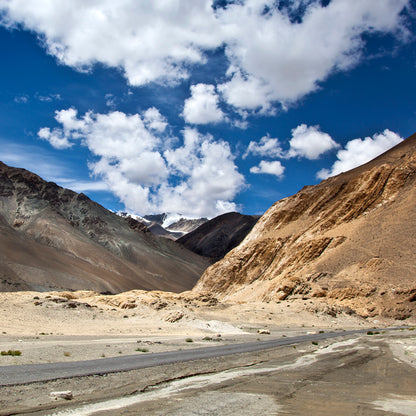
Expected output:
(54, 238)
(348, 241)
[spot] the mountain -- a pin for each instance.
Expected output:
(160, 231)
(54, 238)
(185, 226)
(348, 242)
(218, 236)
(156, 218)
(174, 231)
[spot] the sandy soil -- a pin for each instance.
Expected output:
(51, 327)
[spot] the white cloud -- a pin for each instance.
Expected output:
(211, 178)
(271, 168)
(48, 98)
(270, 57)
(360, 151)
(285, 60)
(150, 41)
(306, 141)
(21, 99)
(247, 93)
(154, 120)
(310, 142)
(198, 178)
(202, 106)
(55, 137)
(267, 147)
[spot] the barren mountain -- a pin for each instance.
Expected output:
(217, 237)
(185, 226)
(348, 242)
(54, 238)
(174, 231)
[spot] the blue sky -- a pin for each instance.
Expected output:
(202, 107)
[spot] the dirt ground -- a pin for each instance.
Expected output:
(373, 375)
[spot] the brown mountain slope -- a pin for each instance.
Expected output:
(216, 237)
(53, 238)
(349, 241)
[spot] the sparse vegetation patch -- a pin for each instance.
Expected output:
(12, 353)
(142, 349)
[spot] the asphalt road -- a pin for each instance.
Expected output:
(31, 373)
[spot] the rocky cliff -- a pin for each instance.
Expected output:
(348, 242)
(54, 238)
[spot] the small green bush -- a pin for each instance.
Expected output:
(189, 340)
(370, 333)
(142, 349)
(12, 353)
(314, 343)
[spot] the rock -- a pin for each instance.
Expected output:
(67, 395)
(158, 304)
(263, 331)
(174, 316)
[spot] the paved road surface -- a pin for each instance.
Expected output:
(30, 373)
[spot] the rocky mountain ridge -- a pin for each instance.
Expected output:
(54, 238)
(348, 241)
(177, 229)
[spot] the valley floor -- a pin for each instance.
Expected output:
(366, 375)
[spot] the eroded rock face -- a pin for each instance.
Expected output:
(54, 238)
(349, 241)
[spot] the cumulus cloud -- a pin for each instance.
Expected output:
(196, 178)
(154, 120)
(150, 41)
(306, 142)
(271, 168)
(202, 106)
(55, 137)
(360, 151)
(271, 57)
(309, 142)
(278, 59)
(267, 146)
(247, 93)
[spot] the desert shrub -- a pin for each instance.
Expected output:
(12, 353)
(142, 349)
(189, 340)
